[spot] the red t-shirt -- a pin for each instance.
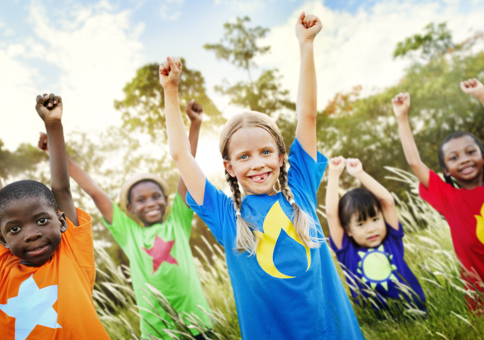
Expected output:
(463, 209)
(53, 301)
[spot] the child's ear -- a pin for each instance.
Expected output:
(62, 219)
(348, 231)
(446, 172)
(281, 160)
(230, 169)
(3, 242)
(129, 207)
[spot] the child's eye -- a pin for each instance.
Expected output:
(360, 224)
(141, 200)
(266, 152)
(375, 219)
(243, 157)
(42, 221)
(453, 158)
(14, 230)
(471, 152)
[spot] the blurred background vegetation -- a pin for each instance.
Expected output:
(353, 124)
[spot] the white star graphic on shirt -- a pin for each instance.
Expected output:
(31, 307)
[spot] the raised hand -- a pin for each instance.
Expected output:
(194, 111)
(43, 143)
(307, 27)
(49, 107)
(170, 72)
(353, 166)
(336, 165)
(401, 104)
(473, 87)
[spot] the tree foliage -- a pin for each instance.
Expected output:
(436, 41)
(239, 46)
(25, 158)
(143, 105)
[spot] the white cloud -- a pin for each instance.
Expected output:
(95, 57)
(242, 5)
(356, 49)
(169, 9)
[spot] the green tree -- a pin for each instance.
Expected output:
(436, 41)
(239, 46)
(366, 128)
(143, 104)
(24, 159)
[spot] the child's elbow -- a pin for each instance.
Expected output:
(387, 202)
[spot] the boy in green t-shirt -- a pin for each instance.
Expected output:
(159, 253)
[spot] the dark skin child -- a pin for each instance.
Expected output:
(464, 161)
(31, 230)
(50, 109)
(101, 198)
(148, 203)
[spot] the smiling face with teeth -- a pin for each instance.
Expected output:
(31, 229)
(148, 202)
(255, 160)
(464, 161)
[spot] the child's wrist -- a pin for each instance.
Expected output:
(52, 123)
(171, 90)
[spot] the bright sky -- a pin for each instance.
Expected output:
(88, 50)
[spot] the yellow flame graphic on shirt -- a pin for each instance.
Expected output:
(275, 221)
(480, 225)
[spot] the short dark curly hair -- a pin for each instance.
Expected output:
(26, 189)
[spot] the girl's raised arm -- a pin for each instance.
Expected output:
(335, 168)
(401, 105)
(307, 27)
(389, 210)
(191, 173)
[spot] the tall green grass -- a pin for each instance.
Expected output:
(428, 252)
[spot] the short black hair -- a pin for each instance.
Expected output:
(26, 189)
(359, 201)
(455, 135)
(142, 181)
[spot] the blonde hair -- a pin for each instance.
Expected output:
(246, 239)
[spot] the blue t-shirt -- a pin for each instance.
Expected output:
(285, 291)
(379, 268)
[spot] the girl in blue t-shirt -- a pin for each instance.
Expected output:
(285, 283)
(367, 238)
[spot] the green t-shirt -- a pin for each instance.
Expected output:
(161, 256)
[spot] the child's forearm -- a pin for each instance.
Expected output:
(411, 151)
(306, 104)
(177, 136)
(193, 137)
(332, 202)
(381, 193)
(59, 170)
(90, 187)
(481, 98)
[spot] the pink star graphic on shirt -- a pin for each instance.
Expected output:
(160, 252)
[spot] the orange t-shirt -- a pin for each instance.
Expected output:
(53, 301)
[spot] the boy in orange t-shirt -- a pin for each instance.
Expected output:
(46, 278)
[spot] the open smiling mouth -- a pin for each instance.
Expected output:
(260, 177)
(153, 213)
(467, 170)
(38, 251)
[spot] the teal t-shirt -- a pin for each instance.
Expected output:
(161, 256)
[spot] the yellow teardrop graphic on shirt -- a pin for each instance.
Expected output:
(275, 221)
(480, 225)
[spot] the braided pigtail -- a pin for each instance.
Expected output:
(303, 223)
(246, 239)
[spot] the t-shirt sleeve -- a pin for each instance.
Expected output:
(80, 239)
(123, 228)
(304, 174)
(215, 211)
(396, 236)
(182, 214)
(344, 244)
(437, 194)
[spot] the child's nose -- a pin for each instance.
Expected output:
(32, 235)
(257, 163)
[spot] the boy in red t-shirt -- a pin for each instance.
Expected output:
(46, 278)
